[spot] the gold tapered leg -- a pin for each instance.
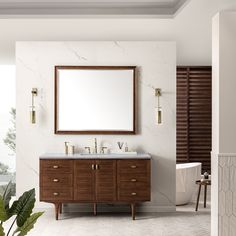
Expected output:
(133, 210)
(95, 209)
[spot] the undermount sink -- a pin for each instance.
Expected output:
(94, 154)
(108, 154)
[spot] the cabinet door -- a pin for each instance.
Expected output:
(84, 180)
(105, 180)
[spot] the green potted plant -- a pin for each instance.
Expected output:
(20, 209)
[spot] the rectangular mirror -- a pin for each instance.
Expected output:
(95, 99)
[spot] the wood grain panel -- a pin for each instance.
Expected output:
(84, 180)
(132, 166)
(56, 166)
(133, 183)
(56, 194)
(194, 115)
(57, 180)
(106, 180)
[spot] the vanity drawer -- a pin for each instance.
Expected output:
(56, 180)
(56, 194)
(133, 195)
(133, 166)
(133, 185)
(133, 177)
(56, 166)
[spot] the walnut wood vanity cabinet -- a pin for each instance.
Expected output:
(100, 180)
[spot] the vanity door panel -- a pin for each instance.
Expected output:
(105, 180)
(84, 180)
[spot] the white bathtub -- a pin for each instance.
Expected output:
(186, 175)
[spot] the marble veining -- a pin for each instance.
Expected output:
(156, 67)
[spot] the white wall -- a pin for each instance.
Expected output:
(224, 126)
(156, 63)
(191, 29)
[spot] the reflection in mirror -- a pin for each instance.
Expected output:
(95, 99)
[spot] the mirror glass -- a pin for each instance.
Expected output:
(94, 99)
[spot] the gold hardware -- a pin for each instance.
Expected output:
(133, 194)
(55, 180)
(55, 194)
(97, 167)
(157, 92)
(66, 147)
(93, 167)
(34, 92)
(133, 180)
(133, 166)
(55, 167)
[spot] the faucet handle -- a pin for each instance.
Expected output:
(66, 147)
(89, 149)
(103, 150)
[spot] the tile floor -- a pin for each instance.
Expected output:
(184, 222)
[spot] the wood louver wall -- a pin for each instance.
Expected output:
(194, 115)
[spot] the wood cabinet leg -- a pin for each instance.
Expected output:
(95, 209)
(57, 206)
(60, 208)
(198, 196)
(133, 210)
(205, 195)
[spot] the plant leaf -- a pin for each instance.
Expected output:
(23, 207)
(3, 213)
(28, 225)
(7, 195)
(1, 231)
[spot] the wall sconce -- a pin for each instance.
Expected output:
(34, 93)
(158, 107)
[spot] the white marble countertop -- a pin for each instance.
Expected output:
(95, 156)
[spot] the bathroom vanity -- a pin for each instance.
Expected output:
(95, 178)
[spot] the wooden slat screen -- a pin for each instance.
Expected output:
(194, 115)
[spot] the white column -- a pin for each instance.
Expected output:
(224, 124)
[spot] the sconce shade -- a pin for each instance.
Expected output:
(34, 92)
(33, 116)
(158, 93)
(158, 115)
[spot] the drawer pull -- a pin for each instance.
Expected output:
(133, 166)
(133, 180)
(97, 167)
(93, 167)
(55, 194)
(55, 167)
(133, 194)
(55, 180)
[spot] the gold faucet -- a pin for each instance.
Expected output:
(66, 148)
(95, 146)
